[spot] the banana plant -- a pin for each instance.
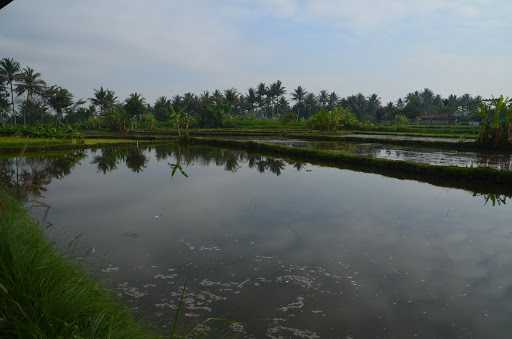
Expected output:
(508, 122)
(496, 121)
(484, 114)
(182, 121)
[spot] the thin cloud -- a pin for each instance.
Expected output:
(167, 47)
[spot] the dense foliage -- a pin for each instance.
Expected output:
(496, 125)
(26, 97)
(327, 120)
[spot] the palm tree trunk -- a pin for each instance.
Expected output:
(25, 112)
(12, 103)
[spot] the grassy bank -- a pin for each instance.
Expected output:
(461, 144)
(15, 144)
(98, 139)
(43, 295)
(296, 131)
(478, 180)
(425, 134)
(455, 143)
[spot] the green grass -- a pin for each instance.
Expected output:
(425, 134)
(9, 145)
(44, 295)
(24, 141)
(424, 128)
(21, 141)
(265, 124)
(98, 138)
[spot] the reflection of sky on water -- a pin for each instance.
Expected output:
(316, 252)
(425, 155)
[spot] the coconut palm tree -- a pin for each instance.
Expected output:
(232, 98)
(261, 95)
(276, 91)
(105, 99)
(251, 98)
(58, 98)
(4, 102)
(30, 83)
(374, 105)
(217, 97)
(283, 106)
(298, 96)
(333, 100)
(162, 108)
(9, 73)
(310, 104)
(323, 98)
(135, 106)
(190, 102)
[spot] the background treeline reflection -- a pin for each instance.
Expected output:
(28, 176)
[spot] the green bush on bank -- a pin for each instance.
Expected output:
(325, 120)
(496, 125)
(332, 120)
(254, 123)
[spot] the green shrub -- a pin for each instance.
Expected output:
(496, 122)
(288, 118)
(332, 120)
(401, 120)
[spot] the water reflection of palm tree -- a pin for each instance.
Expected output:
(495, 199)
(231, 163)
(298, 165)
(28, 177)
(136, 160)
(230, 159)
(109, 159)
(252, 160)
(276, 166)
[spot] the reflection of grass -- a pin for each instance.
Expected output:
(42, 295)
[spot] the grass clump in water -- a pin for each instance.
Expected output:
(43, 295)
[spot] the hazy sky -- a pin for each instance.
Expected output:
(165, 47)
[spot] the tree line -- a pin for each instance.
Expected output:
(25, 98)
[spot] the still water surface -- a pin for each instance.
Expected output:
(419, 154)
(288, 250)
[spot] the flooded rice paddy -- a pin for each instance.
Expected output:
(275, 249)
(425, 155)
